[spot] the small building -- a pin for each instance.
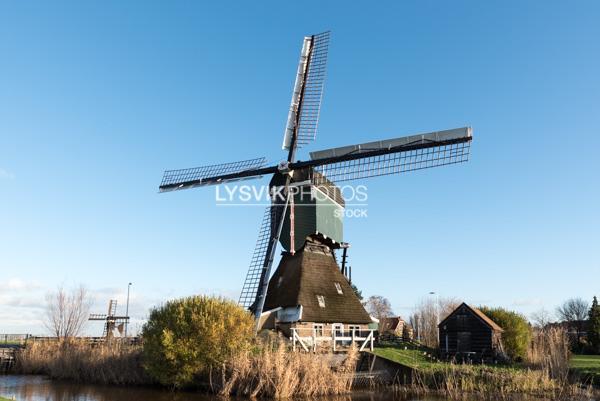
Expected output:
(395, 326)
(468, 332)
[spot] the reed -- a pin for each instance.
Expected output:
(269, 370)
(550, 353)
(464, 381)
(112, 362)
(273, 371)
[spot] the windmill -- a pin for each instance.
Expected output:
(111, 320)
(311, 226)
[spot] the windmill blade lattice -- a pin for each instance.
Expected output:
(313, 89)
(393, 163)
(252, 281)
(209, 175)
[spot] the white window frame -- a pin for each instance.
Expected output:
(338, 287)
(318, 329)
(337, 327)
(354, 329)
(321, 300)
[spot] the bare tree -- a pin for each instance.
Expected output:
(379, 307)
(573, 309)
(427, 315)
(541, 318)
(574, 312)
(67, 311)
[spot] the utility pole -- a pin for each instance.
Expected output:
(437, 315)
(127, 310)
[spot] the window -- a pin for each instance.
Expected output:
(354, 330)
(338, 287)
(321, 300)
(318, 330)
(338, 329)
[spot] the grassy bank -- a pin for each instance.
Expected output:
(455, 380)
(413, 358)
(587, 367)
(545, 374)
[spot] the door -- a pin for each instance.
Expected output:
(463, 341)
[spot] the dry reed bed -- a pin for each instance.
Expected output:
(104, 363)
(270, 370)
(275, 372)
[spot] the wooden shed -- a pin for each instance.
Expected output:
(468, 332)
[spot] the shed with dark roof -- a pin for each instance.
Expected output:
(467, 331)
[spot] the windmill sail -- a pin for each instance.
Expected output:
(252, 282)
(254, 291)
(393, 156)
(214, 174)
(303, 117)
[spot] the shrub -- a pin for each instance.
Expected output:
(517, 333)
(186, 338)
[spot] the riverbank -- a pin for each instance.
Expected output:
(269, 369)
(272, 370)
(587, 367)
(83, 362)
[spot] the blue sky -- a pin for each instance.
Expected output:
(97, 99)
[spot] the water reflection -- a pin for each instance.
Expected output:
(38, 388)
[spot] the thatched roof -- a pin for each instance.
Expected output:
(312, 272)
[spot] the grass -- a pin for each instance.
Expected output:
(586, 365)
(545, 374)
(413, 358)
(4, 399)
(422, 359)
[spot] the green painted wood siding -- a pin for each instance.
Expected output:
(316, 213)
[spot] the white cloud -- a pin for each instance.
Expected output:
(5, 174)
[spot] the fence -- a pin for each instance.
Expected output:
(315, 337)
(21, 340)
(14, 339)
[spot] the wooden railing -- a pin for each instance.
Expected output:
(21, 340)
(14, 339)
(312, 338)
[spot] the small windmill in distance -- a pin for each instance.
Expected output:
(111, 320)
